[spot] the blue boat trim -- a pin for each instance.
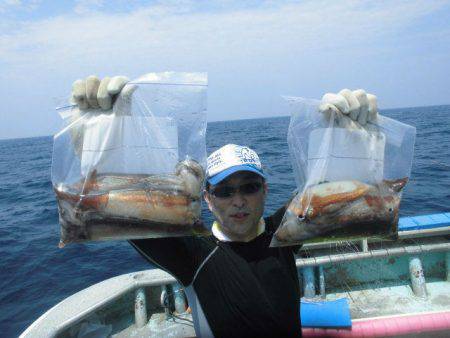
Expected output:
(325, 314)
(424, 222)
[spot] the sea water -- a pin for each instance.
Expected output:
(35, 274)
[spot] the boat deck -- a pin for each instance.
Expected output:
(374, 276)
(365, 303)
(395, 300)
(158, 326)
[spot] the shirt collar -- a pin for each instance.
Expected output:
(218, 233)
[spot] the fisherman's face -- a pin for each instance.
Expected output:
(238, 204)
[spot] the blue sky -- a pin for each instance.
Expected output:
(253, 51)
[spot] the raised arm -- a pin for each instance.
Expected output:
(179, 256)
(176, 255)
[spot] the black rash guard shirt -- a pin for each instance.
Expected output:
(246, 289)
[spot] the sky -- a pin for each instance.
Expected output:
(253, 51)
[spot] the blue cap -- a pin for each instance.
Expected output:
(216, 179)
(229, 159)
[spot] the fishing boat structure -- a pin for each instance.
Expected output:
(392, 288)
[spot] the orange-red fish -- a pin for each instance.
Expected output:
(125, 207)
(325, 207)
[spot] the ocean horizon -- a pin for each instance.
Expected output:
(254, 118)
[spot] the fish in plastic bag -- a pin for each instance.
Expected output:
(137, 169)
(124, 207)
(350, 173)
(347, 206)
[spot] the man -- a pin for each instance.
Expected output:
(237, 286)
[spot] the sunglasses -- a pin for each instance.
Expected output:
(228, 191)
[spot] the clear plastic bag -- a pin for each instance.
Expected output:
(137, 170)
(349, 181)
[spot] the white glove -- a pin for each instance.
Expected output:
(353, 109)
(92, 93)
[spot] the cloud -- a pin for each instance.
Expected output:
(14, 5)
(85, 6)
(250, 49)
(163, 29)
(9, 4)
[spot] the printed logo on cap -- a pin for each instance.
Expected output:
(229, 156)
(246, 155)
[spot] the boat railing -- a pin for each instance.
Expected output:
(313, 259)
(84, 303)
